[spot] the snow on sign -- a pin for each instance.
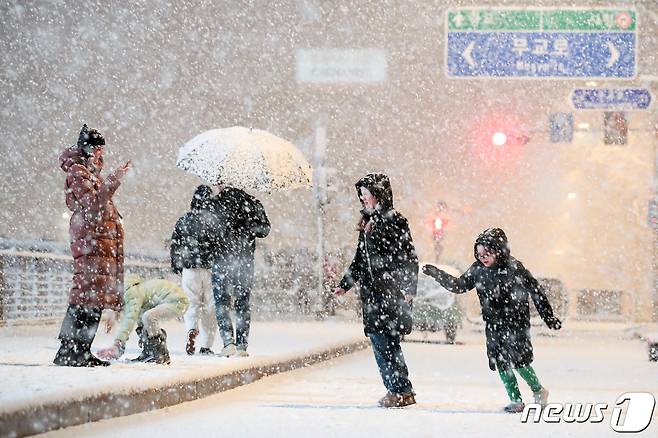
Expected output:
(346, 66)
(541, 43)
(612, 99)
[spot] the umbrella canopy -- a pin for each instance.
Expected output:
(245, 158)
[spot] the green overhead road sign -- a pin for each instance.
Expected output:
(609, 20)
(542, 19)
(487, 19)
(541, 42)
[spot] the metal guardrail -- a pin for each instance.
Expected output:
(35, 279)
(34, 285)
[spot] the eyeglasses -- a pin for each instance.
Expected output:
(486, 254)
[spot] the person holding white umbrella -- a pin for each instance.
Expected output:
(233, 160)
(243, 219)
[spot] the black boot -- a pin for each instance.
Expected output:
(76, 335)
(146, 351)
(89, 360)
(73, 353)
(158, 348)
(142, 336)
(66, 355)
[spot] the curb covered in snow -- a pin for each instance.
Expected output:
(66, 413)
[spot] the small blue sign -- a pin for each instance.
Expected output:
(541, 54)
(561, 127)
(613, 99)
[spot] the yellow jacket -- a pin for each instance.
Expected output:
(143, 296)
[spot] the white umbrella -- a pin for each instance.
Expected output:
(245, 158)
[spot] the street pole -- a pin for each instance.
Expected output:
(653, 212)
(320, 193)
(650, 81)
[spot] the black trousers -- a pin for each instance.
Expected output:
(233, 278)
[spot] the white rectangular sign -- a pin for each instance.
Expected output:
(341, 66)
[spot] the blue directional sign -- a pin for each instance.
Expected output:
(541, 42)
(613, 99)
(541, 54)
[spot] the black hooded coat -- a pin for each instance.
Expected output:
(196, 234)
(243, 219)
(385, 264)
(503, 291)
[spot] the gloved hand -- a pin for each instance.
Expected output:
(431, 270)
(492, 364)
(553, 323)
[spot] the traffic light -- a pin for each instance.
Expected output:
(438, 230)
(436, 220)
(561, 127)
(615, 127)
(499, 139)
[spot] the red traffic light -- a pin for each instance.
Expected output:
(438, 224)
(499, 138)
(438, 227)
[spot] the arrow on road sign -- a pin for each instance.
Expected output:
(466, 54)
(614, 54)
(458, 20)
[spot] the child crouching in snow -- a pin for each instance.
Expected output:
(147, 303)
(503, 285)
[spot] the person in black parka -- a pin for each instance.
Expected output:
(386, 267)
(195, 237)
(195, 234)
(244, 219)
(503, 286)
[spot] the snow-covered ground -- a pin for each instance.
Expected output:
(457, 395)
(28, 376)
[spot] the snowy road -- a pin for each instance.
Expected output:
(457, 396)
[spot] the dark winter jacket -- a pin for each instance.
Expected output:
(195, 235)
(385, 264)
(503, 291)
(243, 219)
(96, 233)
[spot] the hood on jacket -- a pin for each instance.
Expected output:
(379, 186)
(70, 156)
(496, 240)
(201, 198)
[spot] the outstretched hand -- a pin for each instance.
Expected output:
(553, 323)
(109, 353)
(431, 270)
(121, 171)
